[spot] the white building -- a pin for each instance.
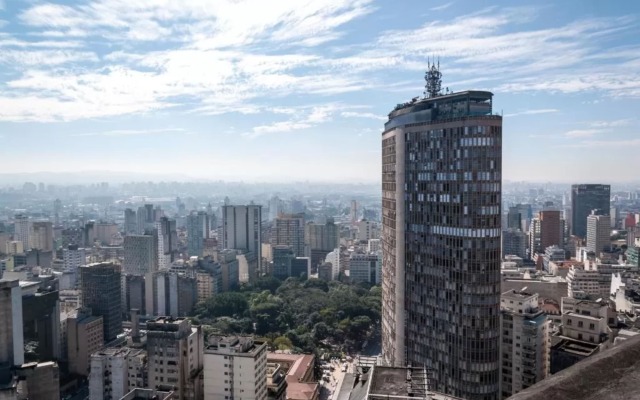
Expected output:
(235, 368)
(598, 233)
(73, 257)
(367, 230)
(41, 235)
(373, 246)
(242, 229)
(140, 254)
(525, 348)
(22, 230)
(334, 258)
(365, 268)
(108, 378)
(14, 247)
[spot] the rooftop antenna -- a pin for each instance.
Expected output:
(433, 78)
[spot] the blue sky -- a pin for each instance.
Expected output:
(287, 90)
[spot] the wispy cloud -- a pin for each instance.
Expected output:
(606, 143)
(612, 124)
(442, 7)
(583, 133)
(355, 114)
(533, 112)
(133, 132)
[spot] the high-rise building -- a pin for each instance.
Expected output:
(140, 254)
(320, 240)
(514, 242)
(109, 374)
(175, 294)
(275, 208)
(146, 218)
(73, 257)
(441, 212)
(519, 217)
(167, 242)
(584, 199)
(525, 342)
(11, 334)
(283, 257)
(57, 211)
(353, 212)
(22, 229)
(288, 230)
(100, 284)
(85, 336)
(546, 230)
(195, 237)
(130, 222)
(364, 268)
(42, 236)
(235, 368)
(175, 352)
(242, 230)
(598, 232)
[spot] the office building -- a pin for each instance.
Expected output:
(353, 212)
(519, 217)
(525, 342)
(334, 259)
(242, 230)
(230, 269)
(146, 217)
(57, 211)
(140, 254)
(109, 376)
(275, 208)
(41, 236)
(367, 230)
(585, 199)
(598, 232)
(11, 333)
(85, 336)
(100, 283)
(514, 242)
(441, 212)
(174, 350)
(321, 239)
(235, 368)
(134, 293)
(175, 293)
(195, 237)
(41, 322)
(130, 222)
(73, 257)
(288, 230)
(283, 257)
(364, 268)
(38, 381)
(14, 247)
(167, 242)
(22, 229)
(546, 230)
(106, 232)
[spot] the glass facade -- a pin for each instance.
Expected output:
(441, 250)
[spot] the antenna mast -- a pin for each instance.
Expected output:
(433, 78)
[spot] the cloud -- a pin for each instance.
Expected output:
(582, 133)
(354, 114)
(133, 132)
(533, 112)
(612, 124)
(442, 7)
(304, 118)
(606, 144)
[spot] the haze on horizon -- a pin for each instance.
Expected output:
(287, 91)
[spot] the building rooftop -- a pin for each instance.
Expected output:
(238, 345)
(574, 346)
(610, 375)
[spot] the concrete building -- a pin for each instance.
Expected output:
(109, 376)
(41, 235)
(134, 293)
(282, 260)
(14, 247)
(175, 293)
(41, 322)
(149, 394)
(514, 242)
(334, 258)
(130, 222)
(584, 199)
(167, 242)
(525, 342)
(140, 254)
(84, 337)
(373, 246)
(11, 334)
(195, 233)
(552, 254)
(320, 240)
(106, 232)
(101, 292)
(441, 213)
(598, 233)
(276, 207)
(276, 382)
(22, 230)
(73, 257)
(364, 268)
(235, 368)
(242, 230)
(38, 381)
(288, 230)
(229, 268)
(175, 363)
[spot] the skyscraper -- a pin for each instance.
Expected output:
(584, 199)
(320, 239)
(598, 232)
(195, 233)
(130, 222)
(101, 292)
(289, 231)
(22, 230)
(242, 228)
(167, 242)
(140, 254)
(41, 236)
(441, 212)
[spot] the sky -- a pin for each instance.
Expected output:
(299, 90)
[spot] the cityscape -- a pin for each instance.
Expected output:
(247, 200)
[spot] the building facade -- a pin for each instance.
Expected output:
(288, 230)
(101, 292)
(242, 230)
(441, 206)
(598, 233)
(140, 254)
(584, 199)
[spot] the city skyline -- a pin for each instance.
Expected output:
(213, 93)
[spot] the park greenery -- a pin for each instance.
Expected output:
(298, 315)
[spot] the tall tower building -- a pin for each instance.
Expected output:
(140, 254)
(525, 342)
(167, 242)
(41, 236)
(320, 240)
(584, 199)
(195, 233)
(598, 232)
(441, 212)
(57, 211)
(22, 230)
(130, 222)
(242, 228)
(100, 284)
(289, 231)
